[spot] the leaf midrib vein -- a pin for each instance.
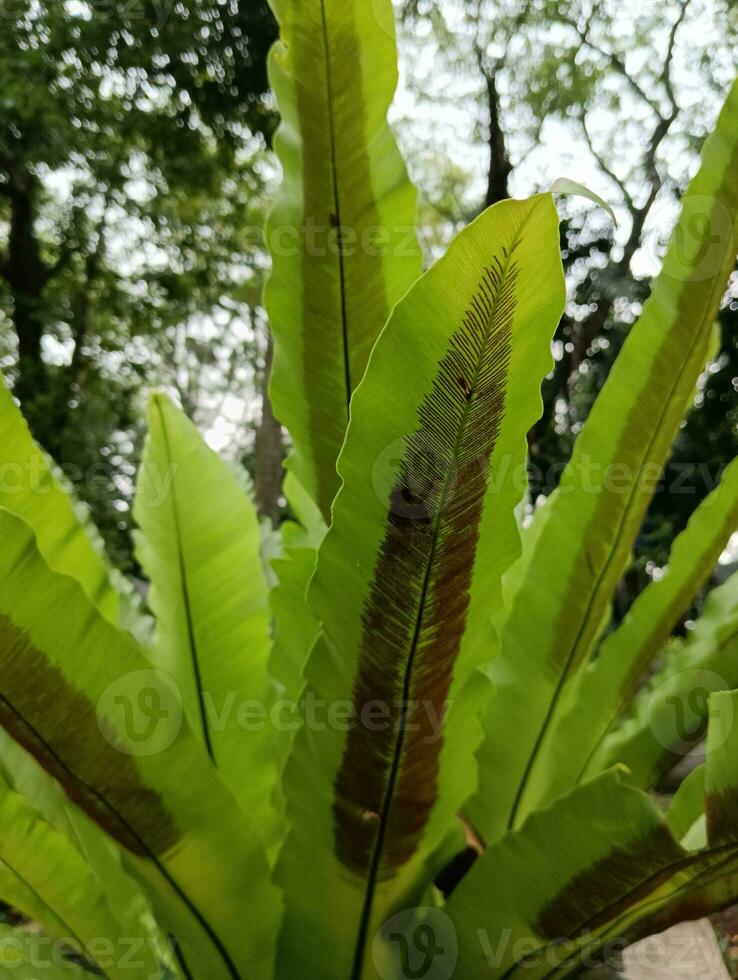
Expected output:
(336, 204)
(186, 599)
(357, 968)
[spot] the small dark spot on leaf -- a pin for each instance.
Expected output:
(464, 385)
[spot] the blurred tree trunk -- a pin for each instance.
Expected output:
(499, 161)
(69, 380)
(268, 449)
(27, 275)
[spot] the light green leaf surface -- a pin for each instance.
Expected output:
(81, 697)
(59, 890)
(408, 578)
(583, 541)
(21, 771)
(668, 717)
(342, 230)
(295, 625)
(28, 954)
(721, 777)
(597, 869)
(199, 544)
(28, 487)
(513, 920)
(126, 897)
(604, 692)
(687, 811)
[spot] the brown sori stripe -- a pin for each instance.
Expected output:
(415, 615)
(593, 897)
(339, 330)
(722, 815)
(105, 783)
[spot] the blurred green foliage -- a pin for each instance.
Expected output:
(131, 202)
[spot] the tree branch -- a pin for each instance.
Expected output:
(627, 197)
(500, 168)
(612, 57)
(666, 72)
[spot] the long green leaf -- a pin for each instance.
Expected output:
(199, 545)
(58, 889)
(686, 813)
(408, 579)
(341, 233)
(126, 897)
(21, 771)
(80, 696)
(721, 777)
(28, 487)
(593, 704)
(583, 539)
(596, 845)
(599, 866)
(716, 886)
(22, 896)
(669, 716)
(296, 626)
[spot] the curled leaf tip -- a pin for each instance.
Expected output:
(562, 185)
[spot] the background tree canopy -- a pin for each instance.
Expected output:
(131, 183)
(621, 96)
(135, 172)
